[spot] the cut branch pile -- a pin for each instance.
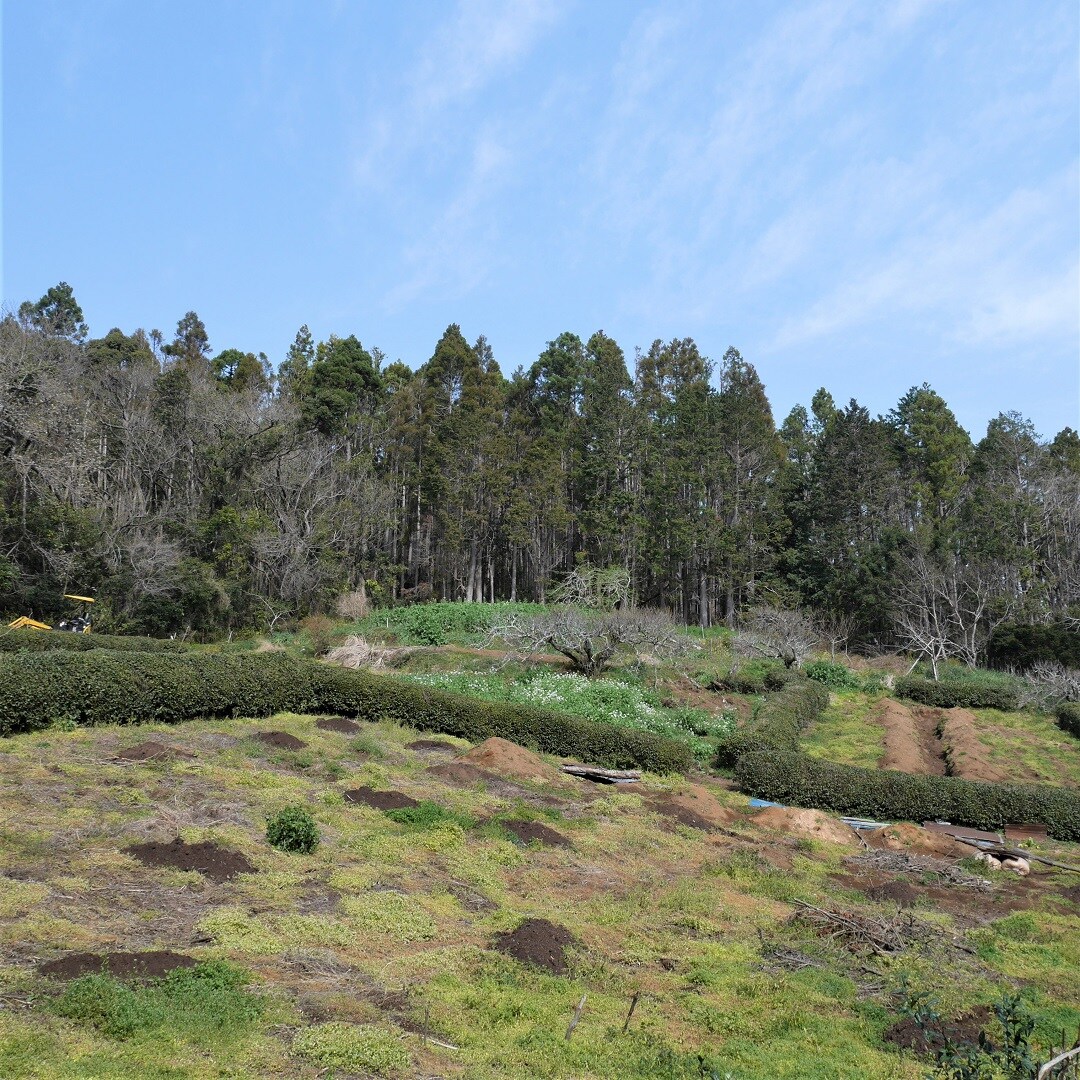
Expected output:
(901, 862)
(862, 933)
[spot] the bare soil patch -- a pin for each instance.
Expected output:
(676, 809)
(529, 831)
(964, 751)
(811, 824)
(462, 774)
(121, 965)
(217, 863)
(702, 803)
(280, 740)
(917, 840)
(380, 800)
(901, 893)
(538, 942)
(341, 724)
(151, 751)
(508, 759)
(432, 746)
(911, 744)
(964, 1031)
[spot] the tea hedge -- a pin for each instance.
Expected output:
(1068, 717)
(102, 687)
(958, 693)
(802, 780)
(778, 723)
(49, 640)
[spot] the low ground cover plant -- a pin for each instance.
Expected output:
(441, 623)
(208, 1000)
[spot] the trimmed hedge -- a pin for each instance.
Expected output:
(801, 780)
(49, 640)
(778, 723)
(1068, 717)
(101, 687)
(956, 693)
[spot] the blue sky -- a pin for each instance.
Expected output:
(862, 195)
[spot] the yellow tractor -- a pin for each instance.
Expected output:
(77, 623)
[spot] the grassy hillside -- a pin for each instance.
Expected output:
(376, 954)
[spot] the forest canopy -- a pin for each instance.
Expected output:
(193, 491)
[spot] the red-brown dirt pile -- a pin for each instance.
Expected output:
(911, 742)
(964, 751)
(151, 751)
(280, 740)
(508, 759)
(811, 824)
(916, 840)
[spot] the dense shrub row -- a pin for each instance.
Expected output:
(778, 723)
(48, 640)
(101, 687)
(879, 793)
(1068, 717)
(1019, 645)
(957, 693)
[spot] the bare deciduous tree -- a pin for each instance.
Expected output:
(776, 633)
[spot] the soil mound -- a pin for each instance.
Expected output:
(151, 751)
(508, 759)
(280, 740)
(217, 863)
(910, 741)
(380, 800)
(671, 806)
(529, 831)
(429, 746)
(135, 965)
(901, 893)
(462, 774)
(932, 1036)
(537, 942)
(702, 802)
(916, 840)
(812, 824)
(964, 751)
(340, 724)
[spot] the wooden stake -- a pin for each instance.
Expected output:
(633, 1006)
(576, 1017)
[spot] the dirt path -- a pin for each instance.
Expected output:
(911, 744)
(964, 750)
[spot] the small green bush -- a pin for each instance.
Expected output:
(755, 677)
(1068, 717)
(293, 829)
(831, 674)
(778, 723)
(801, 780)
(956, 692)
(49, 640)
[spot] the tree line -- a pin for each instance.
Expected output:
(193, 491)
